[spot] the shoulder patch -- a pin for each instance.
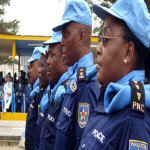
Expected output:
(137, 97)
(81, 74)
(83, 114)
(137, 145)
(73, 85)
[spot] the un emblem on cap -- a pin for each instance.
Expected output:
(73, 86)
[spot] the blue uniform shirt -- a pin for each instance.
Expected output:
(119, 130)
(51, 115)
(79, 101)
(39, 121)
(36, 83)
(32, 115)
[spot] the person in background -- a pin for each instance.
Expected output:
(8, 93)
(19, 89)
(121, 119)
(2, 78)
(83, 88)
(9, 74)
(27, 91)
(15, 78)
(33, 67)
(1, 94)
(23, 77)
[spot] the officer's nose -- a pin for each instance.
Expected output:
(99, 48)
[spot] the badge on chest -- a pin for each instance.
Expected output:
(83, 114)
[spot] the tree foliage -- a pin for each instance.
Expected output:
(3, 3)
(6, 60)
(10, 27)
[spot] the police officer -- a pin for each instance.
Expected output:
(44, 87)
(57, 80)
(34, 65)
(83, 89)
(121, 119)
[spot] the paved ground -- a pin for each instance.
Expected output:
(11, 128)
(10, 132)
(10, 148)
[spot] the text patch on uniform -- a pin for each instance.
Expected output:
(137, 97)
(83, 114)
(137, 145)
(98, 135)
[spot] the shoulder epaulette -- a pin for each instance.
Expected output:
(65, 83)
(137, 97)
(81, 74)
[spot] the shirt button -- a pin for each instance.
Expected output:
(58, 123)
(83, 146)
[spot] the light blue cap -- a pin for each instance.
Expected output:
(75, 10)
(36, 54)
(46, 49)
(56, 38)
(134, 13)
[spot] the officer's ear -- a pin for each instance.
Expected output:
(129, 53)
(82, 36)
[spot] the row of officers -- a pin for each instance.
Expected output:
(77, 105)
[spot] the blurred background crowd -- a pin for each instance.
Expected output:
(22, 89)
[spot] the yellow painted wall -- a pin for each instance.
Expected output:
(13, 116)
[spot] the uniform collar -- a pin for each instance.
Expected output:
(64, 77)
(85, 61)
(48, 88)
(121, 91)
(36, 83)
(136, 75)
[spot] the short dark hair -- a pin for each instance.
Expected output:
(142, 52)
